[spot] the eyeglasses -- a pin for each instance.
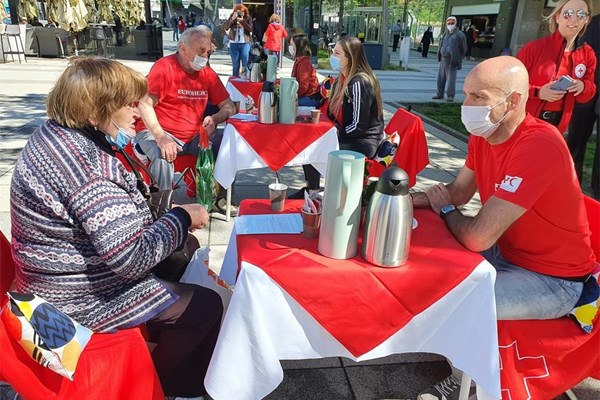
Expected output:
(581, 14)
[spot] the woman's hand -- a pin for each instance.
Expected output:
(198, 214)
(576, 88)
(550, 95)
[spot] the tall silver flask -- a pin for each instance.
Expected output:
(388, 221)
(267, 104)
(255, 73)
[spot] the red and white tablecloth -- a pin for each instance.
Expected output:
(248, 145)
(240, 88)
(290, 302)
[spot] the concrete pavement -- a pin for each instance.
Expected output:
(23, 88)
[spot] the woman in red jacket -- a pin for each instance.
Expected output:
(549, 58)
(274, 35)
(304, 72)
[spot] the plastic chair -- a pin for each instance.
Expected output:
(541, 359)
(12, 37)
(112, 366)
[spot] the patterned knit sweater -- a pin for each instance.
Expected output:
(83, 236)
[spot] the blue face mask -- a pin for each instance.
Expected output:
(123, 137)
(335, 62)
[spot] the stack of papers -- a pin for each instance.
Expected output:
(268, 224)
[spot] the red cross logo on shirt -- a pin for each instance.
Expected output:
(580, 70)
(528, 367)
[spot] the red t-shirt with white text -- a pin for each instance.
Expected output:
(182, 97)
(533, 169)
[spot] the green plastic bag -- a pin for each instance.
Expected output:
(206, 185)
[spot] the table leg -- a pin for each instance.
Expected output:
(465, 387)
(228, 206)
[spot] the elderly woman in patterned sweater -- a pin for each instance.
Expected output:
(83, 235)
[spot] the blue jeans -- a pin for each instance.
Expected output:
(239, 52)
(524, 294)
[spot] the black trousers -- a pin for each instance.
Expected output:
(185, 335)
(395, 42)
(580, 130)
(425, 49)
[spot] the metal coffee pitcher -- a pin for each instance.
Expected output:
(388, 222)
(267, 104)
(255, 73)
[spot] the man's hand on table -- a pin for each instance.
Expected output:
(438, 196)
(168, 148)
(198, 214)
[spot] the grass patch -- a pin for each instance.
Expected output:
(588, 163)
(445, 113)
(394, 67)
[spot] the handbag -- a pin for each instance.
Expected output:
(172, 268)
(420, 48)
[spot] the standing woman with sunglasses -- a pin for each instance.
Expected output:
(560, 54)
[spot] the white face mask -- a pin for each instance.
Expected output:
(451, 27)
(292, 51)
(198, 63)
(477, 119)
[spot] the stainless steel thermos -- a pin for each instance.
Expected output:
(388, 221)
(267, 104)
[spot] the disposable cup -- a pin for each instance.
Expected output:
(311, 224)
(277, 194)
(316, 116)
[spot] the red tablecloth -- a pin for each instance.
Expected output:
(247, 88)
(278, 144)
(364, 304)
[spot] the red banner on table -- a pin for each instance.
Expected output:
(278, 144)
(361, 305)
(247, 88)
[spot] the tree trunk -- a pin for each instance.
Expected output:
(340, 27)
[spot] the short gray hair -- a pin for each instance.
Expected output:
(200, 31)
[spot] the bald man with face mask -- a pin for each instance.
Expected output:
(532, 226)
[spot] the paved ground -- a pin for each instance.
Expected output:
(23, 88)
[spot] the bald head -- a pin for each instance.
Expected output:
(504, 74)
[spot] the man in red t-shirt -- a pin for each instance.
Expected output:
(532, 226)
(179, 88)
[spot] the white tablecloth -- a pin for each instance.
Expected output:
(235, 154)
(263, 325)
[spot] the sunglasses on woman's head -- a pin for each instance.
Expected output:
(581, 14)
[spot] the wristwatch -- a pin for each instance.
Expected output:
(447, 209)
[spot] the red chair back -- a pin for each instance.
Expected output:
(7, 268)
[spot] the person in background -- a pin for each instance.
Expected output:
(451, 51)
(142, 26)
(75, 251)
(36, 22)
(50, 23)
(396, 32)
(304, 72)
(585, 115)
(426, 41)
(558, 54)
(274, 35)
(118, 28)
(308, 96)
(174, 21)
(471, 35)
(179, 87)
(532, 226)
(239, 25)
(181, 25)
